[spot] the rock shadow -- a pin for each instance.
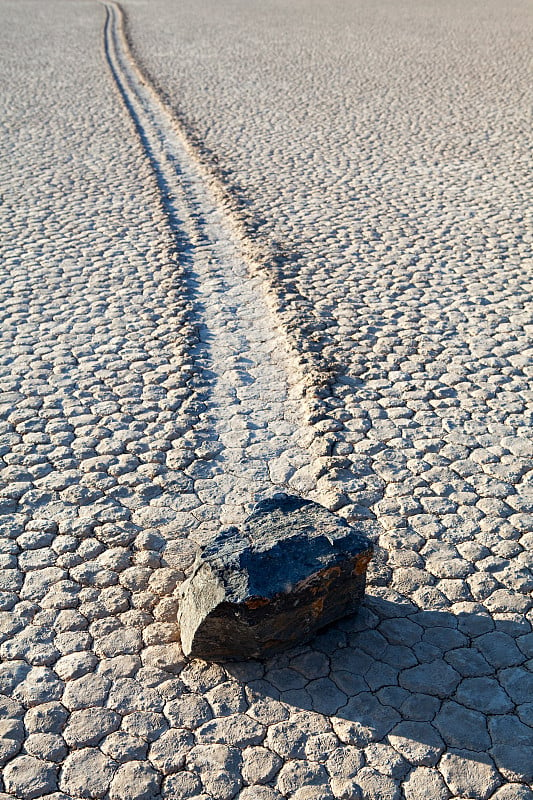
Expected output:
(426, 682)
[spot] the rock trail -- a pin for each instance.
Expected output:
(241, 360)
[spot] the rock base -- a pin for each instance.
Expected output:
(291, 569)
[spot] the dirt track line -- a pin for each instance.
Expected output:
(241, 361)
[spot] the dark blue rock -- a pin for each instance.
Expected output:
(291, 569)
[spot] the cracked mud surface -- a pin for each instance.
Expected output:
(155, 384)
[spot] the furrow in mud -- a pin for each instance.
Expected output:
(248, 415)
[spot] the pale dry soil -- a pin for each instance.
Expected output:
(151, 390)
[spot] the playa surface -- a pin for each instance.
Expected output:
(307, 270)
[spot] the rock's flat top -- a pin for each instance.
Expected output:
(281, 543)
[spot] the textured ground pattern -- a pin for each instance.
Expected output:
(324, 290)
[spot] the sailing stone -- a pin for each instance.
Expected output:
(292, 568)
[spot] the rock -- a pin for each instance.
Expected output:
(292, 569)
